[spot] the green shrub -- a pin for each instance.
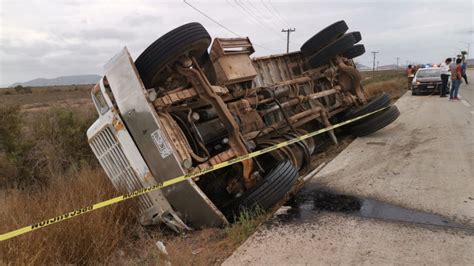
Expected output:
(246, 224)
(42, 145)
(21, 90)
(13, 147)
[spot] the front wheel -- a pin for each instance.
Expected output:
(267, 193)
(153, 64)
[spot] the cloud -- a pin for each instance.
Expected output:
(139, 20)
(103, 33)
(58, 38)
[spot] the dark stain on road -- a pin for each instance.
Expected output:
(309, 203)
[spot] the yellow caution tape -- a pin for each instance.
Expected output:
(170, 182)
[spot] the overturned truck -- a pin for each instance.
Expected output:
(179, 108)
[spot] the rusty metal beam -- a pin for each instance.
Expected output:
(207, 93)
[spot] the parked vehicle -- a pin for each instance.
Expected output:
(427, 81)
(178, 109)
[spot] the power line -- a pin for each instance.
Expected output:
(246, 13)
(278, 13)
(224, 27)
(255, 18)
(273, 12)
(251, 15)
(213, 20)
(263, 15)
(258, 45)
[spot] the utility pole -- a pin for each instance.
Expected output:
(398, 58)
(373, 64)
(468, 48)
(288, 31)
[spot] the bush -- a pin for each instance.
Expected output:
(13, 148)
(22, 90)
(61, 142)
(43, 145)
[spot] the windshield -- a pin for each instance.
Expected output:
(428, 73)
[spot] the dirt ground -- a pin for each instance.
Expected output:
(42, 98)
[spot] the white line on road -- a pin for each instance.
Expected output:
(464, 101)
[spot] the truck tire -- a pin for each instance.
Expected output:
(190, 39)
(357, 36)
(270, 191)
(324, 37)
(338, 46)
(376, 122)
(381, 101)
(355, 51)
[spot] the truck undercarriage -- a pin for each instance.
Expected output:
(179, 108)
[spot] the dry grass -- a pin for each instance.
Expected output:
(90, 238)
(212, 245)
(47, 89)
(47, 96)
(395, 87)
(47, 169)
(378, 76)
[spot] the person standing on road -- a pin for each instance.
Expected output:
(445, 73)
(410, 75)
(463, 69)
(456, 75)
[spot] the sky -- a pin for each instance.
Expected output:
(55, 38)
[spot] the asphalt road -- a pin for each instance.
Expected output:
(467, 90)
(424, 161)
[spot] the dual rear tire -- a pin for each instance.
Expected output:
(375, 121)
(330, 42)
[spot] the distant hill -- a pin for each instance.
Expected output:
(65, 80)
(362, 67)
(388, 67)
